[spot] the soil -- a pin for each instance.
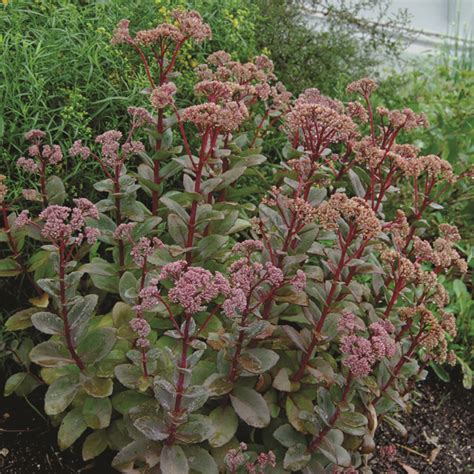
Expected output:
(28, 442)
(439, 438)
(440, 434)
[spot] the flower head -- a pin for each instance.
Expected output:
(140, 116)
(363, 87)
(121, 33)
(78, 149)
(27, 164)
(195, 287)
(34, 135)
(144, 249)
(162, 96)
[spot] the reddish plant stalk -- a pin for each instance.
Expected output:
(143, 349)
(44, 195)
(235, 360)
(403, 360)
(118, 216)
(318, 439)
(194, 205)
(307, 356)
(64, 311)
(156, 166)
(183, 363)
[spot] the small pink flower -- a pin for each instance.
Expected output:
(140, 326)
(133, 147)
(190, 24)
(162, 96)
(34, 135)
(91, 234)
(274, 275)
(110, 147)
(23, 219)
(142, 342)
(140, 116)
(78, 149)
(27, 164)
(34, 150)
(53, 154)
(121, 33)
(144, 249)
(359, 356)
(124, 231)
(349, 323)
(299, 280)
(30, 194)
(248, 246)
(173, 270)
(196, 287)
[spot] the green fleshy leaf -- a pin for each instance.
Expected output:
(71, 428)
(173, 460)
(250, 406)
(96, 443)
(225, 423)
(97, 412)
(60, 395)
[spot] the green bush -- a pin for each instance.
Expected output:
(443, 88)
(59, 72)
(343, 47)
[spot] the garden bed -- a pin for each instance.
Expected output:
(439, 436)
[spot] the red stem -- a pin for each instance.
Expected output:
(181, 378)
(317, 440)
(44, 195)
(307, 356)
(64, 311)
(121, 245)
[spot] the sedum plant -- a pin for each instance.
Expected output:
(190, 327)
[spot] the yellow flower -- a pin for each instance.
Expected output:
(194, 63)
(5, 2)
(235, 23)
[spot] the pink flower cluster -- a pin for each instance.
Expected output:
(246, 278)
(142, 328)
(35, 135)
(236, 458)
(144, 249)
(223, 79)
(360, 353)
(61, 222)
(317, 122)
(27, 164)
(47, 154)
(354, 211)
(196, 287)
(112, 154)
(162, 96)
(140, 116)
(299, 280)
(350, 323)
(193, 288)
(78, 149)
(124, 231)
(226, 117)
(189, 25)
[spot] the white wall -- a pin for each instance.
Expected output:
(436, 18)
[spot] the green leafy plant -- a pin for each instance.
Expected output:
(192, 331)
